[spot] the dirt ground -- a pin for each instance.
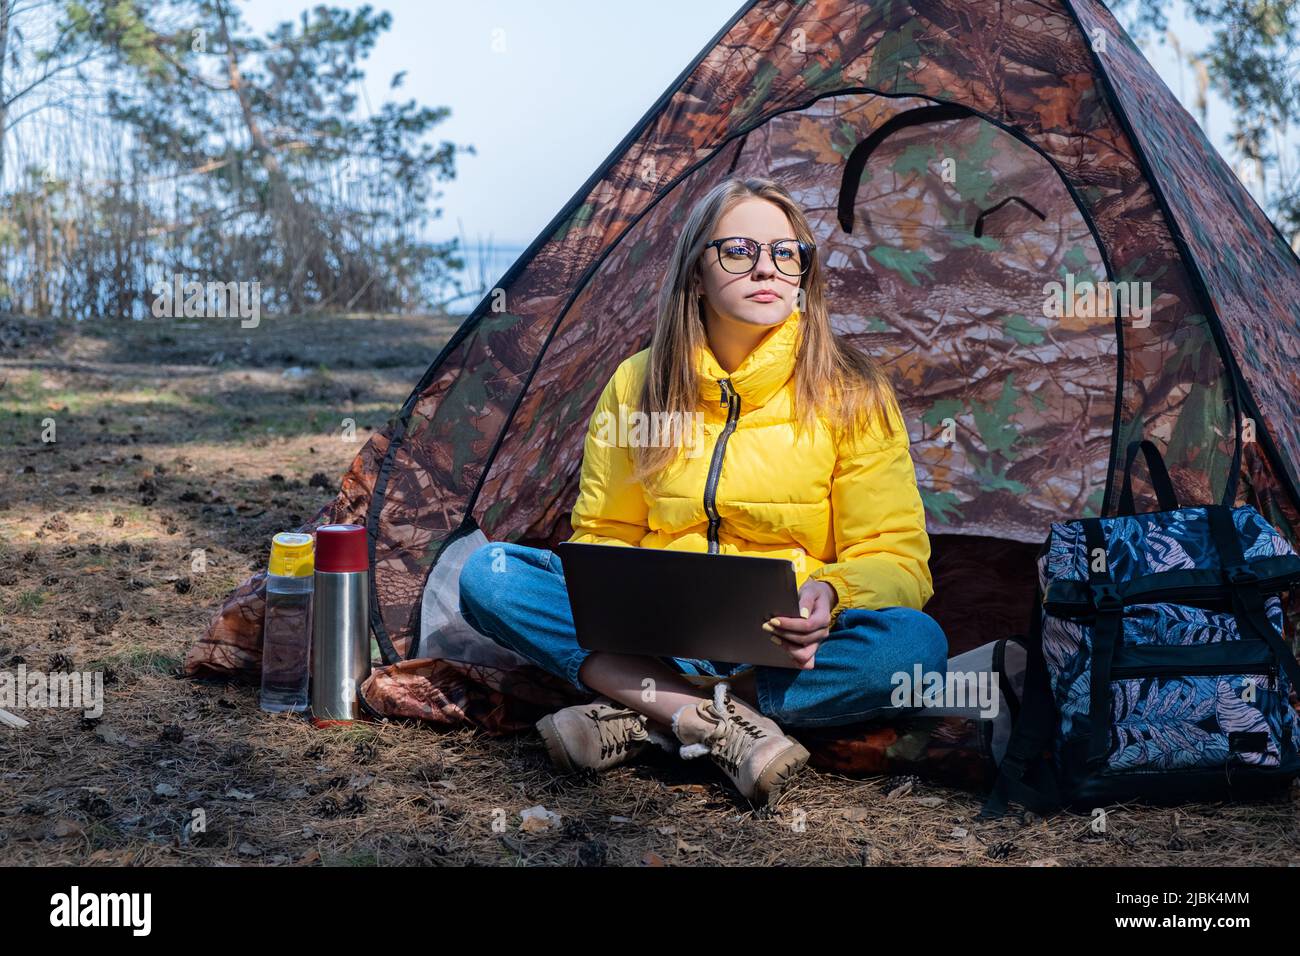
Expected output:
(179, 449)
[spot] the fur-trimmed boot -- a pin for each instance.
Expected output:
(758, 757)
(598, 735)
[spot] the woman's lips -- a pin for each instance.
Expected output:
(763, 297)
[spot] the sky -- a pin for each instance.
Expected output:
(545, 90)
(542, 90)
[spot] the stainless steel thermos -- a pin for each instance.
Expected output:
(340, 645)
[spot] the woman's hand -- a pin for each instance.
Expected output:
(801, 636)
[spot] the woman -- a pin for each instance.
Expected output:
(804, 455)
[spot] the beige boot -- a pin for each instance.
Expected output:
(758, 757)
(598, 735)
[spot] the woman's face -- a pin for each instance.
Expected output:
(764, 296)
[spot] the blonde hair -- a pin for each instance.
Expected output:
(831, 377)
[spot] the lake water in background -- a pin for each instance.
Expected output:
(483, 269)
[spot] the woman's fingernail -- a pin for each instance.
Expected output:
(768, 627)
(774, 621)
(776, 641)
(803, 612)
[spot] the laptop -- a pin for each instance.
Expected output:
(662, 603)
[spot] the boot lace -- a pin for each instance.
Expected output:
(613, 730)
(737, 734)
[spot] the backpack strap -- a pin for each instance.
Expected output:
(1159, 478)
(1004, 683)
(1243, 584)
(1025, 774)
(1106, 631)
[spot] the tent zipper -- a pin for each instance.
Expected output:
(731, 401)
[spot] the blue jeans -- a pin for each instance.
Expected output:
(516, 596)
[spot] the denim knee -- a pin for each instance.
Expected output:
(910, 637)
(853, 676)
(928, 642)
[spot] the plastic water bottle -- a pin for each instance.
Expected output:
(286, 630)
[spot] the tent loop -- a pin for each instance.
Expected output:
(857, 161)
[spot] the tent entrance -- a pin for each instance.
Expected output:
(939, 231)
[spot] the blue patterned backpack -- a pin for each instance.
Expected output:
(1157, 669)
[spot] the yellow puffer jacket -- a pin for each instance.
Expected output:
(851, 516)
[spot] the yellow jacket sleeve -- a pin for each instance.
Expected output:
(611, 506)
(882, 549)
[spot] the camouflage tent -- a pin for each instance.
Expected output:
(956, 158)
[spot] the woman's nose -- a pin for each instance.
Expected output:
(766, 264)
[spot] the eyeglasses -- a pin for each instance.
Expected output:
(738, 254)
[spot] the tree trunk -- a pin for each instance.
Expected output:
(297, 219)
(6, 12)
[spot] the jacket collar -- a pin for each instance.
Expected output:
(761, 375)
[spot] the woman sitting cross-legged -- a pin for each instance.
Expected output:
(804, 456)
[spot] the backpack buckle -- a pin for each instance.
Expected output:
(1105, 597)
(1241, 574)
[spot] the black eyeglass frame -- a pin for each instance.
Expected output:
(806, 252)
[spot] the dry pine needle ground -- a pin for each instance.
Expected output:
(180, 438)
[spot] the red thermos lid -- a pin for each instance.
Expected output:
(341, 548)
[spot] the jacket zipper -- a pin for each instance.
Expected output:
(731, 401)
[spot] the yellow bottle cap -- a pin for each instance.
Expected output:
(291, 555)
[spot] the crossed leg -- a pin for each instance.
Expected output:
(622, 677)
(516, 595)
